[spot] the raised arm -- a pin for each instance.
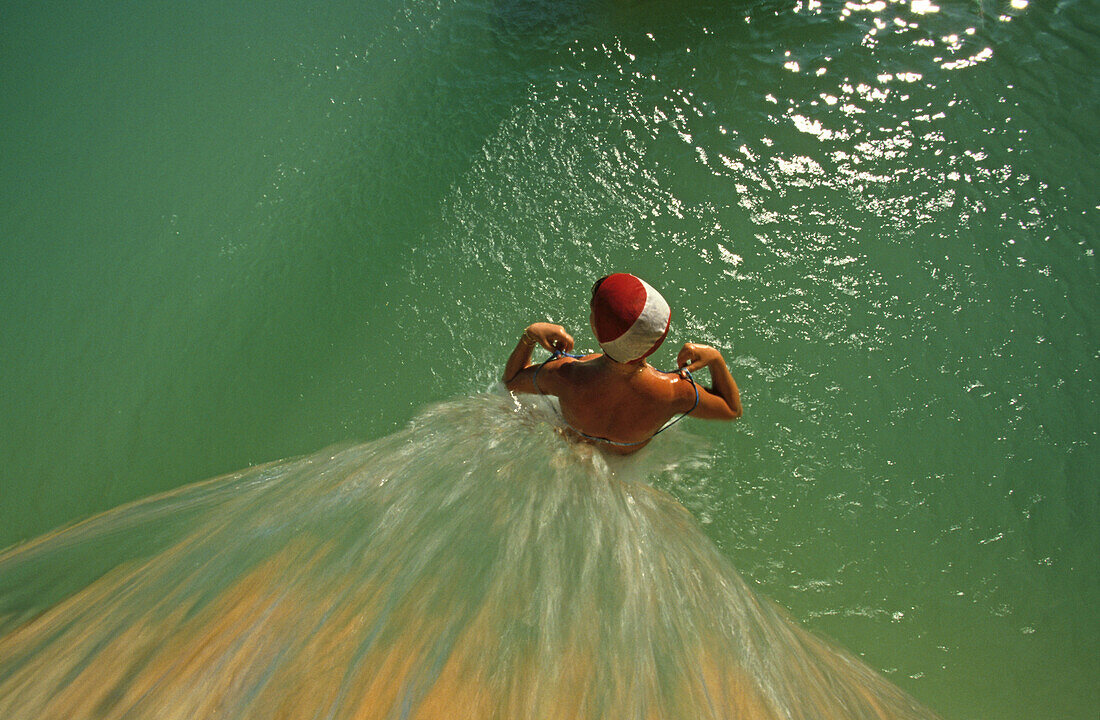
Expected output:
(550, 336)
(722, 401)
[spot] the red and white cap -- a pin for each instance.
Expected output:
(629, 317)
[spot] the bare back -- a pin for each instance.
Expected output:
(625, 404)
(620, 405)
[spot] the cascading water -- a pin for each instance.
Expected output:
(473, 565)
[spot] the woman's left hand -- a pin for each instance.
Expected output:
(550, 336)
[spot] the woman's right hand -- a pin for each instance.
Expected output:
(550, 336)
(693, 356)
(722, 401)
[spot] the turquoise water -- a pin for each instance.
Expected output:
(229, 236)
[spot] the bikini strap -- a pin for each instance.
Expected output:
(682, 372)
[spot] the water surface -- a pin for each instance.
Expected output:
(232, 235)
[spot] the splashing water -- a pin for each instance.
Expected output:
(473, 565)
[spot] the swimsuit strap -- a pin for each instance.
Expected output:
(683, 372)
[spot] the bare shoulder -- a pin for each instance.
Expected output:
(568, 365)
(671, 388)
(557, 372)
(545, 378)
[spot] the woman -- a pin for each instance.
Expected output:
(615, 398)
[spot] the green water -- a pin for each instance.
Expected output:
(231, 235)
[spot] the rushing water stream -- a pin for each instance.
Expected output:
(474, 565)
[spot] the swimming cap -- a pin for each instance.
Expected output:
(630, 318)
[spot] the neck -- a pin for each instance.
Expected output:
(627, 368)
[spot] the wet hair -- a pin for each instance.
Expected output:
(596, 288)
